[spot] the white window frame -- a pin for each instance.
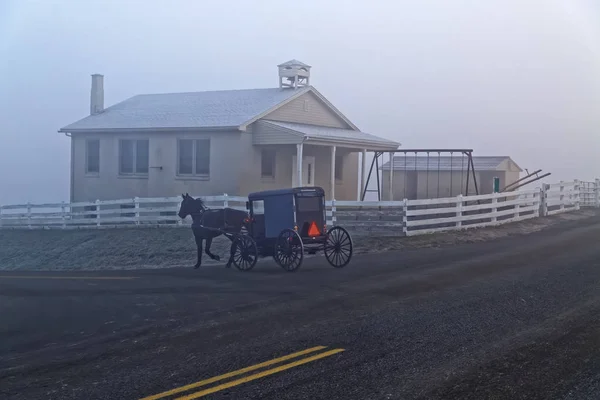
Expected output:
(194, 174)
(134, 161)
(87, 157)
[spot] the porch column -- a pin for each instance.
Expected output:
(363, 181)
(332, 179)
(391, 176)
(299, 148)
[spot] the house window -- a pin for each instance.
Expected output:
(133, 156)
(339, 166)
(92, 156)
(267, 163)
(194, 157)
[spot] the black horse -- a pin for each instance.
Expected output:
(208, 224)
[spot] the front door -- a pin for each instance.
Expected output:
(308, 171)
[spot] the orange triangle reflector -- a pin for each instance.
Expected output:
(313, 230)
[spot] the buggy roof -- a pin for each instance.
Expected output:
(315, 190)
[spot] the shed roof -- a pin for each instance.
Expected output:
(446, 163)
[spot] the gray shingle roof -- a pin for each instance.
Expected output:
(336, 134)
(213, 109)
(481, 163)
(294, 62)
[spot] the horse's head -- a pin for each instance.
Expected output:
(190, 206)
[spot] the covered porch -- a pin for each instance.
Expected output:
(309, 155)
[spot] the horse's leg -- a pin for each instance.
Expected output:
(231, 250)
(198, 239)
(207, 249)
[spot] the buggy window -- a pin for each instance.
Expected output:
(258, 207)
(308, 204)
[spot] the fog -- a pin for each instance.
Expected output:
(504, 77)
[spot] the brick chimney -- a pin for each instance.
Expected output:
(97, 95)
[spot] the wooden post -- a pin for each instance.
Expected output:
(577, 194)
(225, 200)
(29, 215)
(405, 217)
(494, 207)
(332, 177)
(178, 220)
(63, 214)
(459, 205)
(562, 196)
(333, 212)
(544, 199)
(136, 206)
(597, 193)
(391, 185)
(98, 213)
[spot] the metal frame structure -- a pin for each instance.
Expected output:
(512, 187)
(375, 164)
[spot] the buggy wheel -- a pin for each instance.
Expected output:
(338, 247)
(245, 253)
(289, 250)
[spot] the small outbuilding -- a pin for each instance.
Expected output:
(423, 177)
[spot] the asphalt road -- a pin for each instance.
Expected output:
(514, 318)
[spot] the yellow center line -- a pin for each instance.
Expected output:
(259, 375)
(67, 277)
(233, 373)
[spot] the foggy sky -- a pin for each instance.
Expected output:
(504, 77)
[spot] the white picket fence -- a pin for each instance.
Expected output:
(398, 218)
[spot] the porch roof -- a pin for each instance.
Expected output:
(290, 132)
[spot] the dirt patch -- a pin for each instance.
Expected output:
(175, 247)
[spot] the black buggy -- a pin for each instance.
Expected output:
(287, 223)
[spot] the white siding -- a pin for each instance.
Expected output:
(265, 133)
(307, 109)
(229, 150)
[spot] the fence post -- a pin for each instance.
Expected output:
(405, 217)
(459, 206)
(97, 212)
(597, 193)
(494, 207)
(544, 199)
(29, 215)
(577, 194)
(178, 221)
(562, 196)
(63, 214)
(136, 205)
(225, 200)
(333, 212)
